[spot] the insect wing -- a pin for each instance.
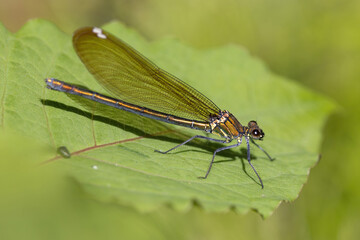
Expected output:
(133, 78)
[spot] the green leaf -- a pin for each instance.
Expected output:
(113, 155)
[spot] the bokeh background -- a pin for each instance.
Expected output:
(316, 43)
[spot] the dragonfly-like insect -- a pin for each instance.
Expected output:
(143, 88)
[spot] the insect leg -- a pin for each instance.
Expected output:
(248, 158)
(271, 159)
(216, 151)
(197, 136)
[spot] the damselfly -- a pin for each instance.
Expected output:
(149, 91)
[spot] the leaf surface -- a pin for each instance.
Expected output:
(113, 155)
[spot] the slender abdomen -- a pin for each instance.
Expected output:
(61, 86)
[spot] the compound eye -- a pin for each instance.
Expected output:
(252, 124)
(256, 133)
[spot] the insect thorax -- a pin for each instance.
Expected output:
(227, 126)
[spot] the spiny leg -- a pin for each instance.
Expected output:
(216, 151)
(248, 158)
(197, 136)
(271, 159)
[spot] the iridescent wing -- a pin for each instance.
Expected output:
(133, 78)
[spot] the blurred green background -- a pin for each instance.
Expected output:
(316, 43)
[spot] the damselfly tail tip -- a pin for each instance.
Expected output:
(49, 82)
